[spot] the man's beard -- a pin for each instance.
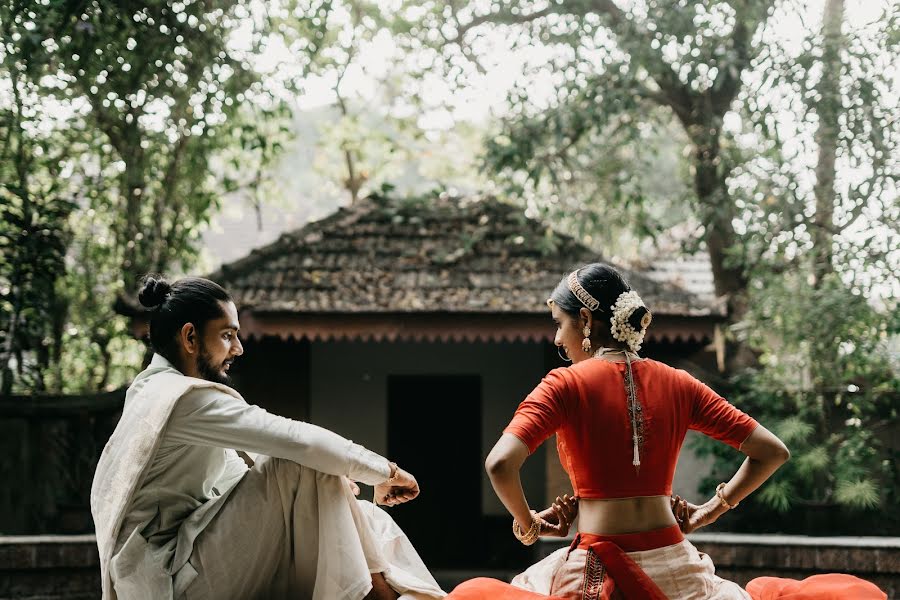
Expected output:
(207, 371)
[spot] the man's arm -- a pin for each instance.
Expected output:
(209, 417)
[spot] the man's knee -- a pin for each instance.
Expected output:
(283, 467)
(280, 466)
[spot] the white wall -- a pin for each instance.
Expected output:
(690, 471)
(348, 391)
(348, 394)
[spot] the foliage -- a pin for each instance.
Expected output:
(35, 203)
(134, 113)
(784, 225)
(162, 84)
(838, 417)
(819, 248)
(33, 249)
(375, 134)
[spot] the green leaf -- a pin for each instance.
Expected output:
(794, 429)
(812, 461)
(860, 494)
(777, 495)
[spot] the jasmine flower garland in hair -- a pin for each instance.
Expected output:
(621, 329)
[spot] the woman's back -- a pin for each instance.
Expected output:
(588, 407)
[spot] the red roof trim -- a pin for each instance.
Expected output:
(443, 328)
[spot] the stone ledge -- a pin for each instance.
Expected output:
(48, 539)
(800, 553)
(20, 553)
(49, 567)
(796, 540)
(67, 566)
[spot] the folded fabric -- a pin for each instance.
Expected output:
(484, 588)
(831, 586)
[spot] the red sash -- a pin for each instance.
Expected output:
(609, 574)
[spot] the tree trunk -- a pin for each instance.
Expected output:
(717, 214)
(828, 109)
(823, 352)
(132, 189)
(353, 183)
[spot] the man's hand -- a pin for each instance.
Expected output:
(403, 489)
(557, 519)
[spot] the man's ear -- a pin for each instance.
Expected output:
(189, 338)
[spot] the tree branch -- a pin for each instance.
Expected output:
(631, 36)
(168, 198)
(501, 18)
(728, 81)
(634, 38)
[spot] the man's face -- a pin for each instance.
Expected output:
(219, 345)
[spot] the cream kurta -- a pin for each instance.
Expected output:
(189, 476)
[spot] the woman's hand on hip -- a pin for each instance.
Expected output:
(691, 517)
(557, 519)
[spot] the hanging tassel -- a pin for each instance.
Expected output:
(632, 408)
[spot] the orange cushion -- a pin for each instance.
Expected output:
(483, 588)
(832, 586)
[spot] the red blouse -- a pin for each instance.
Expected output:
(586, 406)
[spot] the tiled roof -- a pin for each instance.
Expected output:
(442, 255)
(693, 272)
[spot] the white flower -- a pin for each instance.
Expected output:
(621, 329)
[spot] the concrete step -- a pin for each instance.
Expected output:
(49, 567)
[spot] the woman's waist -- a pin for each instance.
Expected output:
(632, 542)
(616, 516)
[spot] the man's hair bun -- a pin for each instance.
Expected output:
(153, 291)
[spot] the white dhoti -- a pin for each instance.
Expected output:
(287, 531)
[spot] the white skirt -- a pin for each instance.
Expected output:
(680, 571)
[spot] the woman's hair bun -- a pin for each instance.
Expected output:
(153, 291)
(637, 318)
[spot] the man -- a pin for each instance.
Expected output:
(179, 514)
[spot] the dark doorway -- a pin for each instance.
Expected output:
(434, 431)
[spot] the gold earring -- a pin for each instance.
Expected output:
(586, 342)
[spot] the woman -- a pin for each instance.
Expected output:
(620, 422)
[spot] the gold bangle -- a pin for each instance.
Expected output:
(721, 494)
(534, 530)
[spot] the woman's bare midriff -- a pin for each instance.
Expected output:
(624, 515)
